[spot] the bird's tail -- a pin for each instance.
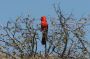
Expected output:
(44, 37)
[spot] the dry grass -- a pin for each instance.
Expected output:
(5, 56)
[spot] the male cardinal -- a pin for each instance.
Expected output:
(44, 29)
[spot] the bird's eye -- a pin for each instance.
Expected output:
(41, 19)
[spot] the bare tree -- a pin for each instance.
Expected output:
(20, 36)
(67, 36)
(65, 39)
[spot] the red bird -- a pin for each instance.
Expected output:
(44, 29)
